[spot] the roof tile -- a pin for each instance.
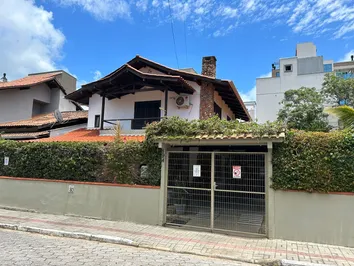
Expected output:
(28, 81)
(45, 119)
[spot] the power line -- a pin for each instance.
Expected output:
(185, 41)
(173, 33)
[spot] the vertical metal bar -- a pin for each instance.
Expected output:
(102, 109)
(212, 191)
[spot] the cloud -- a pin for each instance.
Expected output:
(251, 94)
(104, 9)
(29, 41)
(347, 56)
(97, 75)
(331, 18)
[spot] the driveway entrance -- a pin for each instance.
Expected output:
(218, 191)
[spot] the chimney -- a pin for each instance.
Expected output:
(209, 66)
(352, 57)
(4, 79)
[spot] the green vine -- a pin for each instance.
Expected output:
(179, 128)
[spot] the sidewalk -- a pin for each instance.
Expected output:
(200, 243)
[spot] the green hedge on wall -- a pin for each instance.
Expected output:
(116, 162)
(314, 161)
(53, 160)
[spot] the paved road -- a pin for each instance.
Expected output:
(19, 248)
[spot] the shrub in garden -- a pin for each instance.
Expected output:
(315, 161)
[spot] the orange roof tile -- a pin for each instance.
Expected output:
(46, 119)
(28, 81)
(90, 135)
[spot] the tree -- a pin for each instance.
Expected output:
(303, 109)
(345, 115)
(338, 90)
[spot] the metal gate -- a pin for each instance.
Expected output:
(217, 190)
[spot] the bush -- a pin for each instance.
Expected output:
(53, 160)
(117, 162)
(133, 163)
(314, 161)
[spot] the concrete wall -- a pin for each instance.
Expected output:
(314, 217)
(136, 204)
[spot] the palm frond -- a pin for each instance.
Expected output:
(345, 115)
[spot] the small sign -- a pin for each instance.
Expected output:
(236, 172)
(71, 189)
(196, 171)
(6, 160)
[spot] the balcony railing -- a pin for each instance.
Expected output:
(134, 123)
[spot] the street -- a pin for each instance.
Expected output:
(19, 248)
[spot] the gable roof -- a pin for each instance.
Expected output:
(226, 88)
(29, 81)
(45, 120)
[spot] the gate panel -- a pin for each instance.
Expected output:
(189, 189)
(239, 203)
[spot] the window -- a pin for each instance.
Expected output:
(327, 68)
(228, 118)
(146, 112)
(277, 74)
(217, 110)
(97, 120)
(288, 68)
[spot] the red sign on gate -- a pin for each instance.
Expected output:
(236, 172)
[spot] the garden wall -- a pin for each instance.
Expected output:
(138, 204)
(314, 217)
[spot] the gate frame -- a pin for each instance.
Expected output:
(168, 146)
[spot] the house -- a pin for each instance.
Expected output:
(34, 107)
(142, 91)
(305, 69)
(43, 126)
(38, 93)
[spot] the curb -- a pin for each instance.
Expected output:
(128, 242)
(58, 233)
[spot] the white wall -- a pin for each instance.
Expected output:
(17, 104)
(123, 108)
(64, 104)
(270, 91)
(307, 49)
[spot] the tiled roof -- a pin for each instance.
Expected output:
(28, 81)
(30, 135)
(224, 137)
(90, 135)
(46, 119)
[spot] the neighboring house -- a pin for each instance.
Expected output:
(306, 69)
(142, 91)
(36, 94)
(251, 108)
(43, 126)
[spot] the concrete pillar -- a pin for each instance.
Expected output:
(270, 197)
(163, 184)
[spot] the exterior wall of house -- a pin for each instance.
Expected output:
(314, 217)
(64, 104)
(139, 204)
(17, 104)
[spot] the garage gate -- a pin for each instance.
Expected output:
(222, 191)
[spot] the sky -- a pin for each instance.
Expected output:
(91, 38)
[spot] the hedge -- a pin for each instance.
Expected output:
(116, 162)
(314, 161)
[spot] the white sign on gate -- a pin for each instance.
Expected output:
(196, 171)
(6, 160)
(236, 172)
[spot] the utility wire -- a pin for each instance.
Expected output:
(173, 33)
(185, 41)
